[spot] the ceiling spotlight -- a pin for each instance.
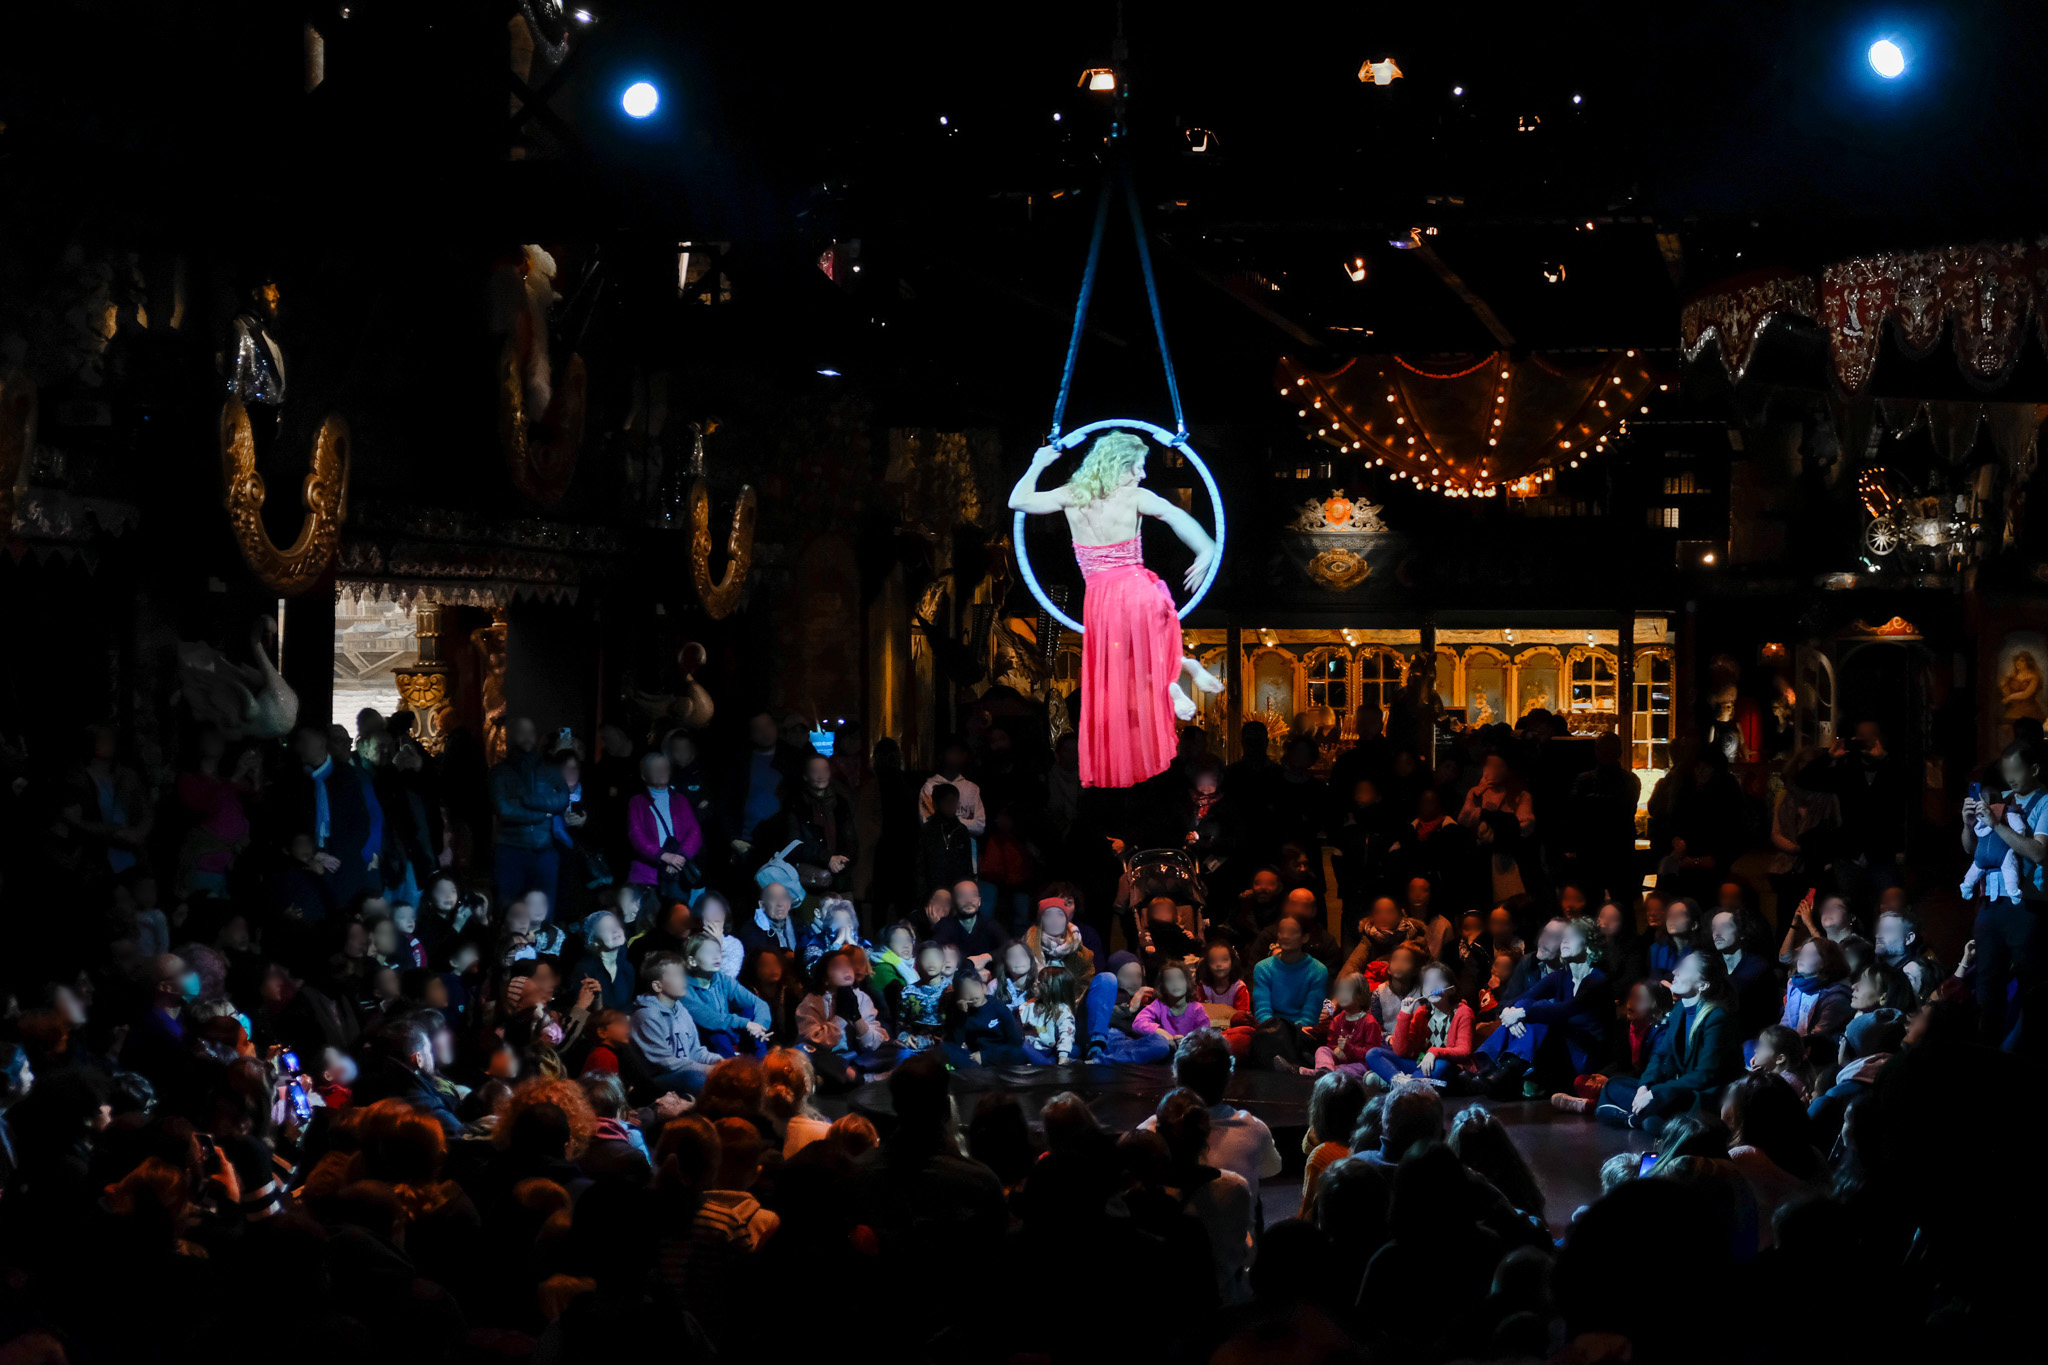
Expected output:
(1457, 90)
(1887, 59)
(1355, 269)
(944, 121)
(1707, 558)
(640, 99)
(584, 16)
(829, 374)
(1098, 78)
(1055, 118)
(1384, 72)
(1553, 272)
(1578, 99)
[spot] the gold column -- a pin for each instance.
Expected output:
(427, 689)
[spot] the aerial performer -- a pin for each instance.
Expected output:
(1131, 661)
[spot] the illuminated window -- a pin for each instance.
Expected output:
(1665, 518)
(1680, 483)
(1650, 743)
(1329, 682)
(1593, 680)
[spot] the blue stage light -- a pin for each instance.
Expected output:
(1886, 59)
(640, 100)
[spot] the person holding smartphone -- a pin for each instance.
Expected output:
(2008, 934)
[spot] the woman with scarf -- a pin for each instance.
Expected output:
(1056, 941)
(1818, 998)
(816, 815)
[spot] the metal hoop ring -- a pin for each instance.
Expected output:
(1174, 440)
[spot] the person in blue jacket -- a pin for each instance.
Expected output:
(730, 1019)
(528, 792)
(1554, 1030)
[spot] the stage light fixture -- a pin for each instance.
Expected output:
(1098, 78)
(640, 99)
(1457, 90)
(829, 374)
(1887, 59)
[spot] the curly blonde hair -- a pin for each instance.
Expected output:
(1109, 461)
(565, 1095)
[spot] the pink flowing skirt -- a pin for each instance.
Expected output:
(1130, 655)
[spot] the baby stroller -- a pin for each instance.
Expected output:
(1154, 872)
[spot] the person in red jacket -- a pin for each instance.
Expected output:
(1432, 1038)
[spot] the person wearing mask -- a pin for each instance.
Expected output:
(662, 832)
(664, 1036)
(1288, 990)
(1696, 1053)
(155, 1045)
(605, 962)
(528, 793)
(2012, 949)
(975, 933)
(731, 1020)
(331, 799)
(1751, 983)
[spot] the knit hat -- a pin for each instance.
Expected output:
(1117, 961)
(1881, 1030)
(778, 869)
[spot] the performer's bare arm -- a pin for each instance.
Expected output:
(1026, 496)
(1187, 528)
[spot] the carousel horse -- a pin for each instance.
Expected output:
(242, 702)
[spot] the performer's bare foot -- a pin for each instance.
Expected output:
(1205, 681)
(1183, 707)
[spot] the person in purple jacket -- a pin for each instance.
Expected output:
(1172, 1013)
(662, 831)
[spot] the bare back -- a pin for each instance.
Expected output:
(1110, 520)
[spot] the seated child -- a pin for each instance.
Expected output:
(1047, 1018)
(1351, 1032)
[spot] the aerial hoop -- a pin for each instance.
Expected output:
(1172, 440)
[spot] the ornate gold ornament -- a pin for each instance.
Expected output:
(541, 455)
(297, 567)
(1339, 569)
(720, 597)
(17, 439)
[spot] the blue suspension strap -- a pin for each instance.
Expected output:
(1059, 411)
(1059, 408)
(1180, 421)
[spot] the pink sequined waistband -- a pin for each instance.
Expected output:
(1125, 554)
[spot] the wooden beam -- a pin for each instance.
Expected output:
(1487, 318)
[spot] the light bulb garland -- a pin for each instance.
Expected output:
(1406, 449)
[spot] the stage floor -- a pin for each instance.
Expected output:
(1565, 1150)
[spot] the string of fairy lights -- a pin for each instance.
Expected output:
(1398, 443)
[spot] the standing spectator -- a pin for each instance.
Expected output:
(219, 824)
(756, 794)
(817, 816)
(662, 832)
(528, 792)
(1876, 797)
(331, 799)
(945, 846)
(119, 803)
(2009, 939)
(1604, 800)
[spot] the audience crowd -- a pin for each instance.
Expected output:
(336, 1046)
